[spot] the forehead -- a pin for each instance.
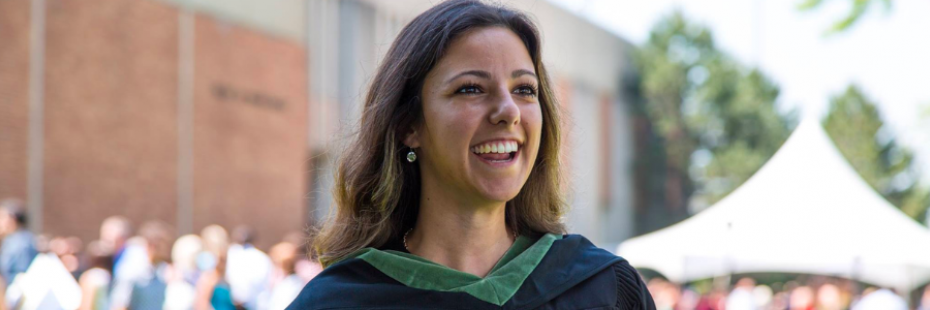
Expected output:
(486, 47)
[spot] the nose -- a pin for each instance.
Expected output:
(505, 111)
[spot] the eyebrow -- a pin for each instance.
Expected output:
(521, 72)
(487, 76)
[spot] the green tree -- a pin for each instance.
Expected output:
(715, 119)
(855, 125)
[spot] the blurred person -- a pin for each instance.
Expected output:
(848, 289)
(180, 293)
(829, 297)
(19, 245)
(184, 257)
(716, 299)
(212, 290)
(880, 299)
(42, 241)
(664, 293)
(114, 232)
(215, 243)
(283, 257)
(285, 284)
(131, 261)
(802, 298)
(215, 239)
(858, 297)
(454, 179)
(149, 293)
(689, 299)
(68, 250)
(307, 266)
(95, 281)
(248, 269)
(742, 298)
(780, 300)
(924, 299)
(762, 294)
(74, 261)
(134, 266)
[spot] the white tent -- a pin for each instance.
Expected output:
(804, 211)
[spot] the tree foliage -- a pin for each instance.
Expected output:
(715, 119)
(855, 125)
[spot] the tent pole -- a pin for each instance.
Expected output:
(910, 285)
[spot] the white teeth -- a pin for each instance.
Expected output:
(498, 147)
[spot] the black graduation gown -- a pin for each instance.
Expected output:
(574, 274)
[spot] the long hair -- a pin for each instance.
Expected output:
(376, 191)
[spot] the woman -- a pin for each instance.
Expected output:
(94, 282)
(450, 196)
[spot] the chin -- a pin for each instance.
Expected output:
(501, 192)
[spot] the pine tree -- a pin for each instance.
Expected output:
(856, 127)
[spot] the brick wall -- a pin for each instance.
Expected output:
(110, 114)
(14, 97)
(250, 133)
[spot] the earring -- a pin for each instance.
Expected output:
(411, 157)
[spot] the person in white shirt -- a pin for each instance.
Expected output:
(248, 269)
(742, 298)
(882, 299)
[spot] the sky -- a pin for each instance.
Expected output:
(886, 53)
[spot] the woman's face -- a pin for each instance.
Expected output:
(482, 120)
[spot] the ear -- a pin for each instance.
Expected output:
(412, 139)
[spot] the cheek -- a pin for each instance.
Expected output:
(449, 129)
(532, 119)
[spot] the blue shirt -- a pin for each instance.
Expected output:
(16, 253)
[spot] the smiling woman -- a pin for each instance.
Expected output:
(451, 195)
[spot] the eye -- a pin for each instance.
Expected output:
(469, 89)
(525, 90)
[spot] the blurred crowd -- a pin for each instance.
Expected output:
(803, 293)
(147, 268)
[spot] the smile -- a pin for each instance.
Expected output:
(497, 153)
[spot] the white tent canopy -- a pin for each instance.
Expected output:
(805, 211)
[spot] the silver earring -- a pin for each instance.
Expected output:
(411, 157)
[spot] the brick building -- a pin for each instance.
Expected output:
(153, 110)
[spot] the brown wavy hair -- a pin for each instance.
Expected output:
(376, 191)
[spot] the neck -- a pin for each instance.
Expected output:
(466, 237)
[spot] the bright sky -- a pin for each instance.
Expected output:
(887, 53)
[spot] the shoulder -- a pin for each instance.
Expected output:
(580, 244)
(587, 274)
(345, 276)
(18, 243)
(631, 290)
(21, 238)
